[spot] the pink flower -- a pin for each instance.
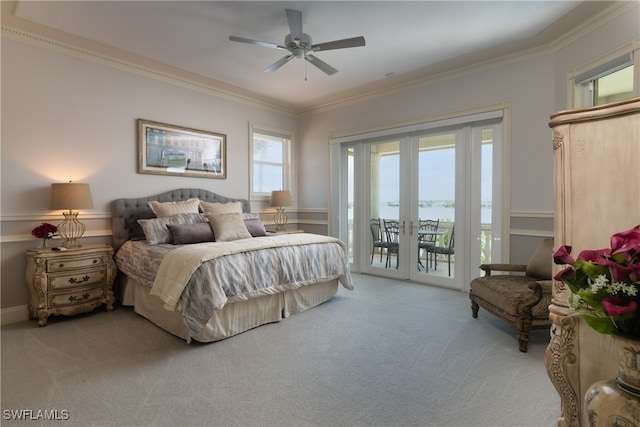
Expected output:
(567, 274)
(626, 241)
(595, 256)
(616, 306)
(563, 256)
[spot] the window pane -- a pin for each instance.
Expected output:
(268, 150)
(614, 87)
(267, 178)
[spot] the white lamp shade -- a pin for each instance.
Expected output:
(71, 195)
(281, 198)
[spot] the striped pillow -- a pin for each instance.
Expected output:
(165, 209)
(221, 208)
(157, 232)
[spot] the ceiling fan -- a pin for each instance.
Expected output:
(300, 45)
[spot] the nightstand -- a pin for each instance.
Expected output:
(285, 231)
(69, 282)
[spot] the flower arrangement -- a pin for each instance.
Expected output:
(45, 231)
(605, 284)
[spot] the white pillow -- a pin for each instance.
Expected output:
(165, 209)
(221, 208)
(228, 227)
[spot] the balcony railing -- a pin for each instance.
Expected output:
(486, 239)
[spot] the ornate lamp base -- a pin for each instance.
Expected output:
(71, 229)
(280, 219)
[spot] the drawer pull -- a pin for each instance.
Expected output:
(74, 280)
(95, 261)
(73, 298)
(61, 265)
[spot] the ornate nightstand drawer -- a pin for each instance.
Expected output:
(69, 282)
(74, 263)
(79, 278)
(74, 298)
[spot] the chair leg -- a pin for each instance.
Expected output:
(449, 261)
(474, 309)
(523, 338)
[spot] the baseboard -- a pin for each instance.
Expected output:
(16, 314)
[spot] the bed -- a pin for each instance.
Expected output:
(204, 290)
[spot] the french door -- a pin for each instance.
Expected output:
(448, 175)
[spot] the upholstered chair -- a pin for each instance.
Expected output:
(522, 296)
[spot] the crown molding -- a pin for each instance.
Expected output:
(414, 82)
(425, 76)
(155, 71)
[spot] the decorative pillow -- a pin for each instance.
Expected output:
(541, 261)
(165, 209)
(228, 227)
(221, 208)
(135, 230)
(184, 234)
(255, 227)
(156, 231)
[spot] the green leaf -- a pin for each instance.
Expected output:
(592, 270)
(604, 325)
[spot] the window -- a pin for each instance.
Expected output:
(270, 161)
(609, 81)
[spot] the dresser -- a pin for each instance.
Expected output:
(69, 282)
(597, 193)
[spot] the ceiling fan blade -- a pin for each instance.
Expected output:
(278, 64)
(339, 44)
(328, 69)
(295, 23)
(256, 42)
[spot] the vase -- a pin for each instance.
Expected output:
(616, 403)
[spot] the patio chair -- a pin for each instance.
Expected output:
(376, 237)
(392, 231)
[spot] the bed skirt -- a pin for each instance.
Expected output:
(233, 318)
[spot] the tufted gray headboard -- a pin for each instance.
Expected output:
(126, 212)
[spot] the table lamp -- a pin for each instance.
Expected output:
(71, 196)
(280, 199)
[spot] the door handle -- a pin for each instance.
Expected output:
(402, 227)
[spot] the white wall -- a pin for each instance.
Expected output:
(534, 86)
(66, 118)
(527, 85)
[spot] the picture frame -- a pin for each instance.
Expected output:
(165, 149)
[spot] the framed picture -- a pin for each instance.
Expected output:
(173, 150)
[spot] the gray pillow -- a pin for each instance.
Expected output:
(184, 234)
(255, 227)
(156, 231)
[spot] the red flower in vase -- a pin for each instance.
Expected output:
(45, 231)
